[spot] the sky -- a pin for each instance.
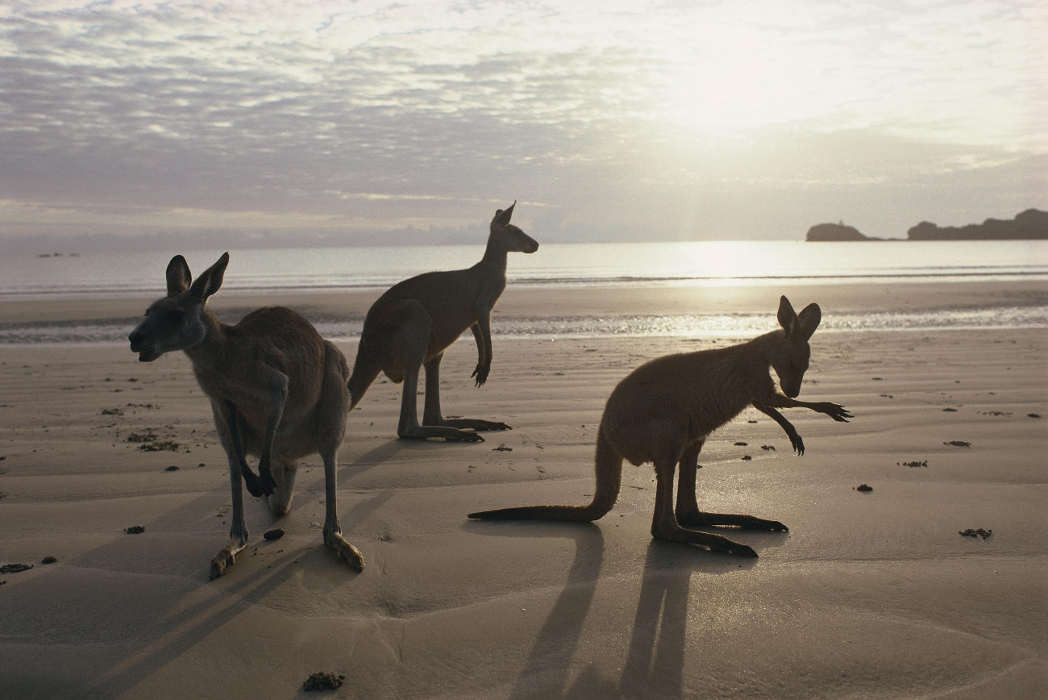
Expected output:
(287, 123)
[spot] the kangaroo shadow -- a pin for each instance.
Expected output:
(372, 458)
(546, 671)
(655, 661)
(168, 627)
(189, 629)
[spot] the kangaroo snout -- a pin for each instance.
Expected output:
(146, 353)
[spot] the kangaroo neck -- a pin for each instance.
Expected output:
(765, 346)
(210, 349)
(494, 258)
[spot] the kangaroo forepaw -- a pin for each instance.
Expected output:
(255, 486)
(269, 485)
(344, 550)
(798, 443)
(265, 477)
(837, 412)
(260, 486)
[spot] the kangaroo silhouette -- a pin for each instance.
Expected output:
(414, 321)
(664, 410)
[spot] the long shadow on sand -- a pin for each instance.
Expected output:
(374, 457)
(163, 629)
(545, 673)
(654, 663)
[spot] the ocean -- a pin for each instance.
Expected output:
(104, 275)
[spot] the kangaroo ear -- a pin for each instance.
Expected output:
(808, 321)
(210, 279)
(178, 276)
(787, 316)
(502, 215)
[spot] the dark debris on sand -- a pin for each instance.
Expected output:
(323, 680)
(864, 488)
(274, 534)
(975, 533)
(160, 445)
(958, 443)
(135, 529)
(15, 568)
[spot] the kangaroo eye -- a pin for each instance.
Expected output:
(174, 316)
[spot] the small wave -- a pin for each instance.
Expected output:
(640, 325)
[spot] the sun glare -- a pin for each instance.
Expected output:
(734, 78)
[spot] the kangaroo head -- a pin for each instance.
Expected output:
(509, 237)
(176, 322)
(790, 358)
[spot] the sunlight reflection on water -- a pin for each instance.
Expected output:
(680, 325)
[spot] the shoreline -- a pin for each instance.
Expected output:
(624, 299)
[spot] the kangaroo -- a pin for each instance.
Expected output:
(664, 410)
(277, 390)
(415, 320)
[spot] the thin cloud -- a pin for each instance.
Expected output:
(376, 116)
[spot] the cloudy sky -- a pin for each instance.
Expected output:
(369, 122)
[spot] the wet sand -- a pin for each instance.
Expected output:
(869, 595)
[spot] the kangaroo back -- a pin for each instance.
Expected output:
(608, 465)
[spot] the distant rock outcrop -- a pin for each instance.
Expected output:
(1029, 224)
(835, 232)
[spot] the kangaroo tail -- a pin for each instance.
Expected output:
(609, 477)
(365, 368)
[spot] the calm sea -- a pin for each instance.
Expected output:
(782, 263)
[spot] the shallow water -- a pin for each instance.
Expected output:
(708, 262)
(621, 265)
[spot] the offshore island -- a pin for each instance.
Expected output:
(1031, 224)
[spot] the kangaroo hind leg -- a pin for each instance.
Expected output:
(331, 428)
(688, 513)
(664, 525)
(432, 414)
(333, 538)
(411, 340)
(238, 533)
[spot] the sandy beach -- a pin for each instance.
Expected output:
(869, 594)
